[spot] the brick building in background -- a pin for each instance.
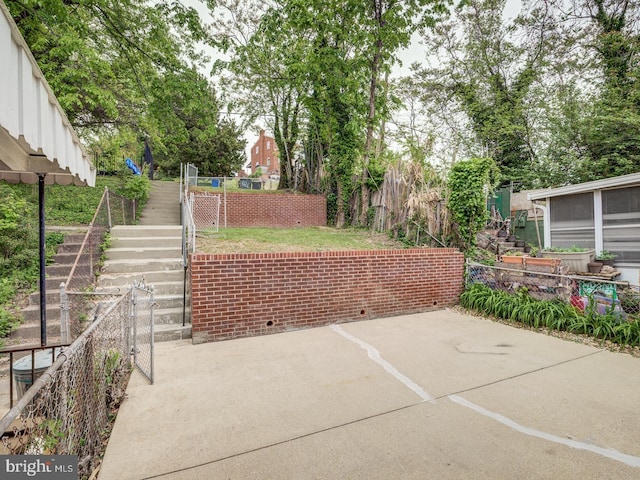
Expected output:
(264, 154)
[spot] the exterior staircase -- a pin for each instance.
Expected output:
(490, 240)
(152, 251)
(28, 332)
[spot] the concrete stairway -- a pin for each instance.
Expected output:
(490, 240)
(152, 250)
(28, 332)
(163, 206)
(152, 253)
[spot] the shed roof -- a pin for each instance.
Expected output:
(613, 182)
(35, 134)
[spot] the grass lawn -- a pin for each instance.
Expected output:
(311, 239)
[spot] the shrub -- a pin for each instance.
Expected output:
(552, 314)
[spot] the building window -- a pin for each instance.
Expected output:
(257, 149)
(268, 144)
(621, 223)
(572, 221)
(269, 162)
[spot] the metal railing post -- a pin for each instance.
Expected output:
(152, 320)
(134, 320)
(64, 313)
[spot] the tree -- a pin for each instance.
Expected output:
(99, 56)
(311, 63)
(126, 72)
(488, 70)
(612, 131)
(469, 184)
(263, 72)
(388, 26)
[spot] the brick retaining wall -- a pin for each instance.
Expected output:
(277, 210)
(239, 295)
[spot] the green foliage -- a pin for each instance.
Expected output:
(137, 187)
(605, 255)
(552, 314)
(126, 71)
(470, 182)
(19, 235)
(571, 249)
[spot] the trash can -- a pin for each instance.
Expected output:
(22, 369)
(215, 182)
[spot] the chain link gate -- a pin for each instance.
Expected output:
(142, 305)
(206, 211)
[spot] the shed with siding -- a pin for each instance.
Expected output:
(603, 214)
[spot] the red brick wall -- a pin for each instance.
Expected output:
(277, 210)
(239, 295)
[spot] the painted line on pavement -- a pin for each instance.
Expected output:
(375, 356)
(605, 452)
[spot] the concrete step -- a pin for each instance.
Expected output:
(169, 301)
(153, 220)
(169, 288)
(31, 314)
(145, 242)
(170, 333)
(52, 297)
(125, 231)
(165, 316)
(53, 281)
(32, 331)
(63, 270)
(74, 238)
(69, 247)
(141, 265)
(148, 253)
(69, 258)
(150, 277)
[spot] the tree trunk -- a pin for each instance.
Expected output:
(365, 195)
(340, 219)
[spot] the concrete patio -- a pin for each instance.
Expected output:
(432, 395)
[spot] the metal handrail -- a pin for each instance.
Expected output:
(105, 194)
(13, 350)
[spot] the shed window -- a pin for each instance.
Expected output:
(621, 223)
(572, 221)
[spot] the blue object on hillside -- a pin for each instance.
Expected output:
(132, 166)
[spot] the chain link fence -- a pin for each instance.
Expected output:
(67, 409)
(113, 209)
(142, 306)
(206, 211)
(548, 282)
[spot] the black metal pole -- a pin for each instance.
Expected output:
(184, 297)
(43, 278)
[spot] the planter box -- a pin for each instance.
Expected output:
(515, 259)
(543, 262)
(576, 261)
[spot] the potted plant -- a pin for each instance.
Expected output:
(594, 267)
(606, 257)
(576, 258)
